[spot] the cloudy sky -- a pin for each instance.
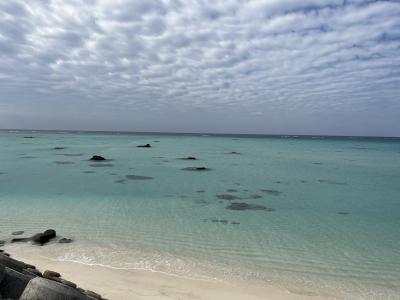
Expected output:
(256, 66)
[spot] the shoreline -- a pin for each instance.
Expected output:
(124, 284)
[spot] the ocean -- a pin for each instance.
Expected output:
(320, 214)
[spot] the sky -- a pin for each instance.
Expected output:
(229, 66)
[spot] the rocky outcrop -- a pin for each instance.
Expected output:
(144, 146)
(22, 281)
(97, 158)
(38, 238)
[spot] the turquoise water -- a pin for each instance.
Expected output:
(334, 224)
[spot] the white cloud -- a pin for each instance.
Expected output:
(261, 58)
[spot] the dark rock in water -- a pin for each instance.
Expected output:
(246, 206)
(2, 243)
(144, 146)
(40, 288)
(59, 148)
(48, 273)
(252, 196)
(18, 232)
(17, 240)
(199, 169)
(89, 172)
(328, 181)
(28, 137)
(235, 223)
(272, 192)
(43, 238)
(231, 190)
(65, 241)
(200, 191)
(97, 158)
(14, 283)
(121, 181)
(188, 158)
(63, 162)
(101, 165)
(317, 163)
(234, 152)
(342, 213)
(136, 177)
(227, 197)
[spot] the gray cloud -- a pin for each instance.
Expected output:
(311, 66)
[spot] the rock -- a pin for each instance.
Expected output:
(68, 283)
(136, 177)
(246, 206)
(93, 294)
(40, 288)
(235, 223)
(97, 158)
(50, 274)
(32, 272)
(144, 146)
(14, 283)
(227, 197)
(100, 165)
(200, 169)
(2, 243)
(231, 190)
(272, 192)
(65, 241)
(28, 137)
(189, 158)
(342, 213)
(18, 232)
(59, 148)
(11, 263)
(43, 238)
(20, 240)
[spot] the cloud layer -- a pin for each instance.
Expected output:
(272, 66)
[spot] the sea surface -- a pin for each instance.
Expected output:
(312, 214)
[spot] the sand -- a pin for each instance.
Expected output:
(137, 284)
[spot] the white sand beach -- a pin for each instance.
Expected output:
(136, 284)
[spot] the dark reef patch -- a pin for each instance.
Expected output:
(228, 197)
(246, 206)
(343, 213)
(231, 190)
(272, 192)
(328, 181)
(196, 169)
(59, 148)
(136, 177)
(19, 232)
(100, 165)
(58, 162)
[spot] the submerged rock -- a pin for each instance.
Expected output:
(246, 206)
(144, 146)
(227, 197)
(199, 169)
(18, 232)
(188, 158)
(272, 192)
(100, 165)
(343, 213)
(136, 177)
(65, 241)
(97, 158)
(59, 148)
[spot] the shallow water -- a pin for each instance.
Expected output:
(321, 213)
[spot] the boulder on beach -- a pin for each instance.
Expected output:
(38, 238)
(97, 158)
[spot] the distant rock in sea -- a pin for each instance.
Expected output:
(144, 146)
(97, 158)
